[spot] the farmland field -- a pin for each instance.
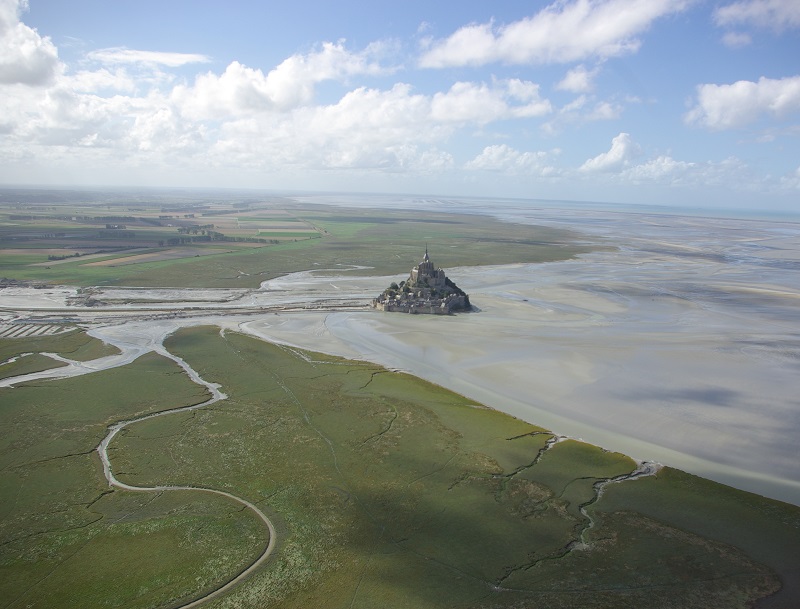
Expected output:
(227, 243)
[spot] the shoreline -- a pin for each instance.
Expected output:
(682, 346)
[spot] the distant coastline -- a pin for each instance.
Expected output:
(436, 202)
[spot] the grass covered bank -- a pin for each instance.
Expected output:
(67, 539)
(390, 491)
(387, 491)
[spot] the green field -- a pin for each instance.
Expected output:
(70, 541)
(385, 241)
(386, 491)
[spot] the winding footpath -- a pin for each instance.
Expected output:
(131, 351)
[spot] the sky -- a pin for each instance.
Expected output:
(667, 102)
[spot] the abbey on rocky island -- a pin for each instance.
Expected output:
(427, 290)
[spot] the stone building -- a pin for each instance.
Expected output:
(427, 290)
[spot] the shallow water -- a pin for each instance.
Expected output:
(682, 345)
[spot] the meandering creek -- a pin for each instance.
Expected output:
(137, 338)
(132, 348)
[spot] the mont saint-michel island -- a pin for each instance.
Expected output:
(427, 290)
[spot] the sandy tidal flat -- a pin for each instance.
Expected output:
(682, 345)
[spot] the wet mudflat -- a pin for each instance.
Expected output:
(679, 347)
(682, 346)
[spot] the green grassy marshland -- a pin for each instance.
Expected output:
(386, 491)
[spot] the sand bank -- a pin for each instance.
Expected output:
(682, 346)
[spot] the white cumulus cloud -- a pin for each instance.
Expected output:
(662, 169)
(621, 155)
(367, 128)
(666, 171)
(562, 32)
(729, 106)
(578, 80)
(466, 101)
(241, 89)
(777, 15)
(505, 159)
(94, 81)
(479, 103)
(25, 57)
